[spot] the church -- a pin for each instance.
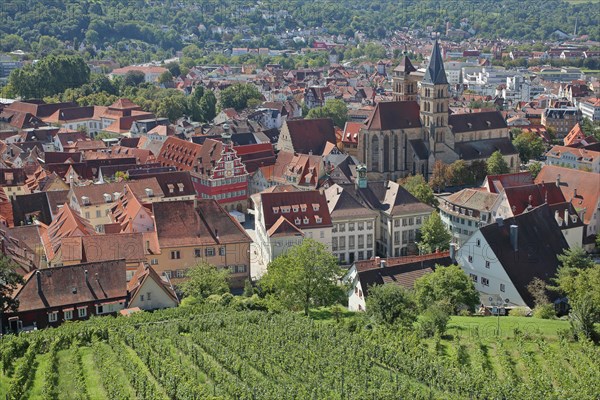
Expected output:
(408, 135)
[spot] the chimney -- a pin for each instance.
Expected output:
(382, 264)
(500, 221)
(558, 180)
(378, 261)
(38, 276)
(574, 192)
(453, 252)
(566, 216)
(514, 237)
(85, 272)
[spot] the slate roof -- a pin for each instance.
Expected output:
(480, 121)
(482, 149)
(389, 115)
(67, 286)
(405, 66)
(534, 257)
(403, 271)
(570, 180)
(435, 73)
(311, 135)
(31, 204)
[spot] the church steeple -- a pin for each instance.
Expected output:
(434, 96)
(404, 85)
(435, 74)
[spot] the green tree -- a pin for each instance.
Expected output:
(134, 78)
(497, 165)
(439, 175)
(204, 280)
(334, 109)
(535, 168)
(165, 77)
(11, 42)
(9, 281)
(529, 145)
(172, 107)
(173, 68)
(392, 305)
(208, 106)
(434, 235)
(417, 186)
(459, 173)
(447, 287)
(237, 95)
(305, 276)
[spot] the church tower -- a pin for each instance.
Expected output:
(404, 85)
(434, 96)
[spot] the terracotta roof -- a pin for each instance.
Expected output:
(67, 223)
(180, 154)
(473, 199)
(497, 183)
(390, 115)
(526, 197)
(141, 275)
(206, 224)
(102, 248)
(582, 155)
(68, 286)
(351, 130)
(283, 228)
(303, 208)
(96, 193)
(580, 188)
(311, 135)
(172, 183)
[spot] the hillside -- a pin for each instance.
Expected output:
(198, 354)
(170, 25)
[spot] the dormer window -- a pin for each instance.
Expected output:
(275, 210)
(318, 219)
(107, 198)
(315, 207)
(297, 221)
(85, 200)
(295, 208)
(285, 209)
(305, 220)
(303, 207)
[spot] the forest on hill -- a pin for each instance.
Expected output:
(41, 26)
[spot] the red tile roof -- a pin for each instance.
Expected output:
(303, 209)
(180, 154)
(394, 115)
(311, 135)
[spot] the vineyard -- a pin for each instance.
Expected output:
(226, 354)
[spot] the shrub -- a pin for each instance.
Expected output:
(433, 321)
(520, 312)
(545, 311)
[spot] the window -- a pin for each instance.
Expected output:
(175, 255)
(485, 281)
(68, 314)
(149, 296)
(142, 298)
(351, 227)
(334, 244)
(351, 243)
(361, 241)
(411, 221)
(487, 264)
(197, 253)
(209, 252)
(87, 215)
(99, 309)
(180, 273)
(222, 251)
(342, 243)
(502, 287)
(370, 225)
(53, 316)
(361, 255)
(82, 312)
(397, 237)
(154, 261)
(473, 277)
(98, 213)
(168, 274)
(470, 258)
(342, 227)
(369, 240)
(361, 226)
(369, 254)
(335, 228)
(396, 223)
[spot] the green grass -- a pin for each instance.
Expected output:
(92, 375)
(487, 326)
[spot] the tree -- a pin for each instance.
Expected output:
(479, 170)
(497, 164)
(529, 145)
(447, 287)
(165, 77)
(9, 281)
(434, 234)
(391, 304)
(173, 68)
(334, 109)
(439, 176)
(237, 95)
(417, 186)
(303, 277)
(204, 280)
(535, 168)
(134, 78)
(208, 106)
(460, 174)
(172, 107)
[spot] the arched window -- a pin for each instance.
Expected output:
(386, 153)
(375, 153)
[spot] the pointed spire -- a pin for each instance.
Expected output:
(405, 65)
(435, 70)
